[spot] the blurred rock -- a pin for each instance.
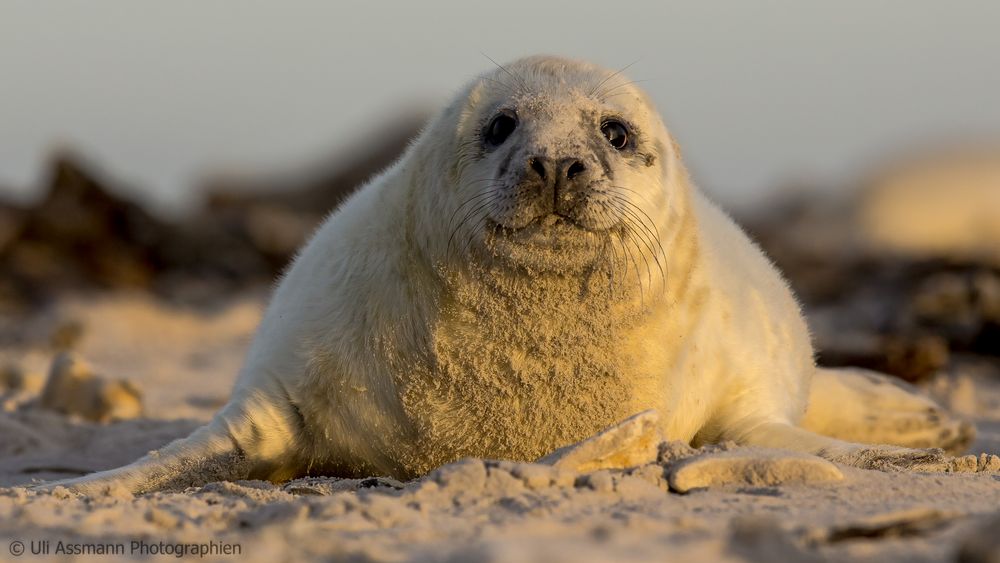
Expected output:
(79, 234)
(916, 521)
(914, 358)
(963, 307)
(14, 378)
(982, 545)
(73, 389)
(82, 235)
(66, 335)
(11, 218)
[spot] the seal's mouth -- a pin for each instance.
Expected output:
(551, 231)
(554, 223)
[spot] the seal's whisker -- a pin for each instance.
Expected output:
(641, 196)
(618, 219)
(635, 239)
(487, 191)
(607, 93)
(610, 76)
(648, 222)
(520, 81)
(490, 196)
(648, 225)
(631, 258)
(606, 213)
(608, 263)
(472, 232)
(619, 262)
(648, 230)
(501, 83)
(480, 205)
(650, 238)
(635, 266)
(623, 197)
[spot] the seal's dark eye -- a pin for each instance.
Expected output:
(615, 133)
(500, 128)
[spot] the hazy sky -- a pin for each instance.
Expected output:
(758, 93)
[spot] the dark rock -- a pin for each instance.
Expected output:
(80, 235)
(84, 236)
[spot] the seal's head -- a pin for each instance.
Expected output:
(555, 162)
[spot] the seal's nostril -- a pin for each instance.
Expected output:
(537, 166)
(575, 169)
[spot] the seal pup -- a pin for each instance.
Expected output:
(536, 267)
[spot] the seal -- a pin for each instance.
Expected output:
(535, 268)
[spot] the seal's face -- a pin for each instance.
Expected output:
(555, 162)
(559, 155)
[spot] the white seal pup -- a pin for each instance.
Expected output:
(535, 268)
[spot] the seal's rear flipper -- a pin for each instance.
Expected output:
(858, 405)
(782, 435)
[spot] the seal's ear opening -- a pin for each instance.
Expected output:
(662, 154)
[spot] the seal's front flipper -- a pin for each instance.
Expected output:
(632, 442)
(232, 446)
(205, 456)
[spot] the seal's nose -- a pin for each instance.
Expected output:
(573, 168)
(566, 168)
(563, 180)
(540, 166)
